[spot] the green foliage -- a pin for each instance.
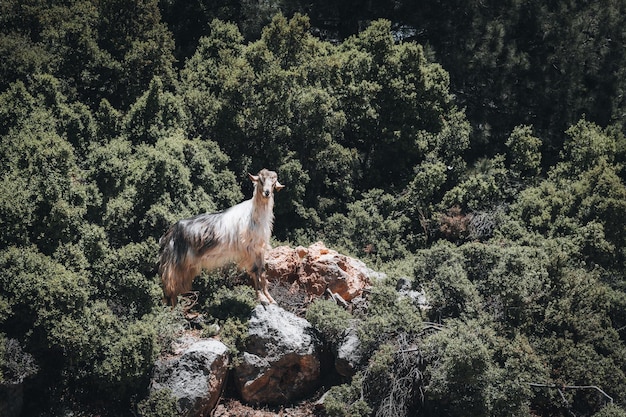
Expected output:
(582, 198)
(301, 103)
(440, 272)
(161, 183)
(485, 187)
(120, 276)
(510, 280)
(387, 314)
(229, 306)
(104, 144)
(393, 382)
(524, 153)
(52, 198)
(15, 364)
(154, 115)
(611, 411)
(108, 49)
(467, 373)
(588, 145)
(373, 226)
(346, 400)
(40, 293)
(329, 319)
(158, 404)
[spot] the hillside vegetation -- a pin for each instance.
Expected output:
(482, 157)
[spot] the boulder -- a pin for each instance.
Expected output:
(318, 268)
(281, 361)
(195, 375)
(348, 353)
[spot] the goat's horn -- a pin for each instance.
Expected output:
(278, 186)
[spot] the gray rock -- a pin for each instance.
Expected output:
(281, 361)
(348, 355)
(403, 284)
(418, 298)
(195, 376)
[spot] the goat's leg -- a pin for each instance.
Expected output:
(264, 288)
(260, 283)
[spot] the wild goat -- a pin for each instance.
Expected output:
(239, 234)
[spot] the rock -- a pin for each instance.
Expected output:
(281, 361)
(196, 375)
(403, 284)
(348, 354)
(418, 298)
(318, 268)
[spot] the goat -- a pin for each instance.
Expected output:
(239, 234)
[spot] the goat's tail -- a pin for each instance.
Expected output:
(176, 271)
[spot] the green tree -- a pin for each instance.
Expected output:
(524, 153)
(469, 373)
(51, 202)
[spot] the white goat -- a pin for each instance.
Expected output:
(239, 234)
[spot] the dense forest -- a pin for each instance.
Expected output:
(474, 147)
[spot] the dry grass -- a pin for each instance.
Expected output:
(233, 408)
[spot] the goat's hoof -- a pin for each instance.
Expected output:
(263, 300)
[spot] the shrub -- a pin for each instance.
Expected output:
(346, 400)
(231, 307)
(15, 364)
(128, 357)
(158, 404)
(393, 383)
(458, 373)
(124, 276)
(611, 410)
(40, 293)
(472, 371)
(329, 319)
(387, 314)
(441, 273)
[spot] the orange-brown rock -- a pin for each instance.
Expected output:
(318, 268)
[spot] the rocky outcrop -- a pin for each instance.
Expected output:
(281, 360)
(195, 375)
(318, 269)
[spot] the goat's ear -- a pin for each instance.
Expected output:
(278, 186)
(253, 178)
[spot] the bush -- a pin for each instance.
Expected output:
(158, 404)
(472, 371)
(41, 295)
(441, 273)
(15, 364)
(329, 319)
(128, 356)
(347, 400)
(387, 314)
(230, 306)
(393, 383)
(611, 410)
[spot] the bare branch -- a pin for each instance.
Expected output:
(564, 387)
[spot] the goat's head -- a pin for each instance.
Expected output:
(265, 182)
